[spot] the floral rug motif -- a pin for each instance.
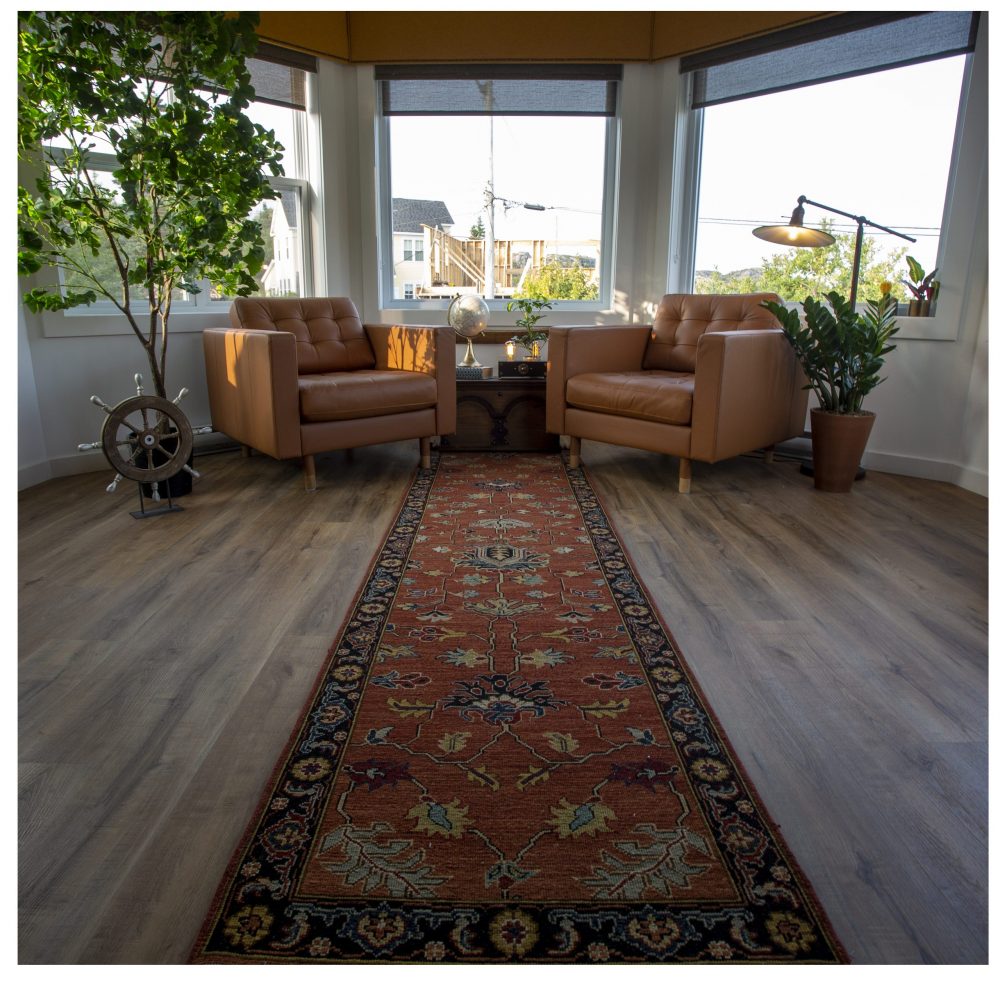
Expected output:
(505, 759)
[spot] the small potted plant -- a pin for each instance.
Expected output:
(842, 352)
(923, 286)
(531, 339)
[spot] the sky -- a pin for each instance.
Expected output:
(886, 157)
(557, 163)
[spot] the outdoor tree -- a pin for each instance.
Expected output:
(553, 281)
(164, 94)
(477, 231)
(264, 216)
(795, 274)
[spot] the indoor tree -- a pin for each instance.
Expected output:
(163, 96)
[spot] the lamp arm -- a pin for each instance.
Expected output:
(860, 219)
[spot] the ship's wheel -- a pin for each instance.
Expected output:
(147, 439)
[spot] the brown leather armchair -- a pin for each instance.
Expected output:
(710, 378)
(297, 377)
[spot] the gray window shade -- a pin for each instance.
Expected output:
(836, 47)
(278, 76)
(499, 90)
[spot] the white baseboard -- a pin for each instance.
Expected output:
(34, 473)
(969, 478)
(94, 461)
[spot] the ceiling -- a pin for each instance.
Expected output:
(366, 37)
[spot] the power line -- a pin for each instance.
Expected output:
(843, 226)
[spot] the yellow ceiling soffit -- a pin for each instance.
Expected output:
(367, 37)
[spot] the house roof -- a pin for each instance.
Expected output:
(409, 214)
(291, 212)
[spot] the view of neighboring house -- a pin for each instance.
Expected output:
(410, 268)
(282, 275)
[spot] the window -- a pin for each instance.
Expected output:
(408, 291)
(878, 143)
(280, 79)
(519, 196)
(413, 250)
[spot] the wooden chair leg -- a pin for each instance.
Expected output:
(309, 465)
(684, 483)
(425, 452)
(245, 451)
(574, 451)
(769, 454)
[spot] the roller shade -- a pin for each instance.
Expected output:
(499, 90)
(825, 50)
(278, 75)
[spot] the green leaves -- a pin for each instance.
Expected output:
(920, 281)
(151, 87)
(527, 307)
(841, 351)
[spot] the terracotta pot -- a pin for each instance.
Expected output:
(839, 442)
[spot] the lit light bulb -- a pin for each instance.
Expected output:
(510, 350)
(793, 234)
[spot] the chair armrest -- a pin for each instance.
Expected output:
(427, 349)
(253, 388)
(748, 393)
(580, 350)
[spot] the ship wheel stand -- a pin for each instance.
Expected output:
(147, 439)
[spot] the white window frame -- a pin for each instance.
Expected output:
(103, 317)
(384, 237)
(964, 198)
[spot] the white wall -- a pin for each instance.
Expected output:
(931, 410)
(32, 451)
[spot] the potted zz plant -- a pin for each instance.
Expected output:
(842, 352)
(531, 339)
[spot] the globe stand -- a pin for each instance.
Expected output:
(468, 316)
(469, 361)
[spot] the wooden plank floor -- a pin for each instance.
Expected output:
(841, 640)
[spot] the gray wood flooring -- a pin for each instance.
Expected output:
(840, 639)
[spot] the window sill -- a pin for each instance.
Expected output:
(109, 324)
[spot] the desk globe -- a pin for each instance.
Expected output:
(469, 316)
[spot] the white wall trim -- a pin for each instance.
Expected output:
(970, 478)
(34, 473)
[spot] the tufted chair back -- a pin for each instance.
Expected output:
(328, 331)
(682, 318)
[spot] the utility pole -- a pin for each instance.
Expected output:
(489, 273)
(489, 284)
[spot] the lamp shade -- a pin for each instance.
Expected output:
(797, 235)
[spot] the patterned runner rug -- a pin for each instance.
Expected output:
(505, 759)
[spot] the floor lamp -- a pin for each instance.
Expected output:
(796, 234)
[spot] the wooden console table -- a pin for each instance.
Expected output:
(501, 414)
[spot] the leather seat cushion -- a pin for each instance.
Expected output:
(360, 394)
(659, 396)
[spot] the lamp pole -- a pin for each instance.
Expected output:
(859, 238)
